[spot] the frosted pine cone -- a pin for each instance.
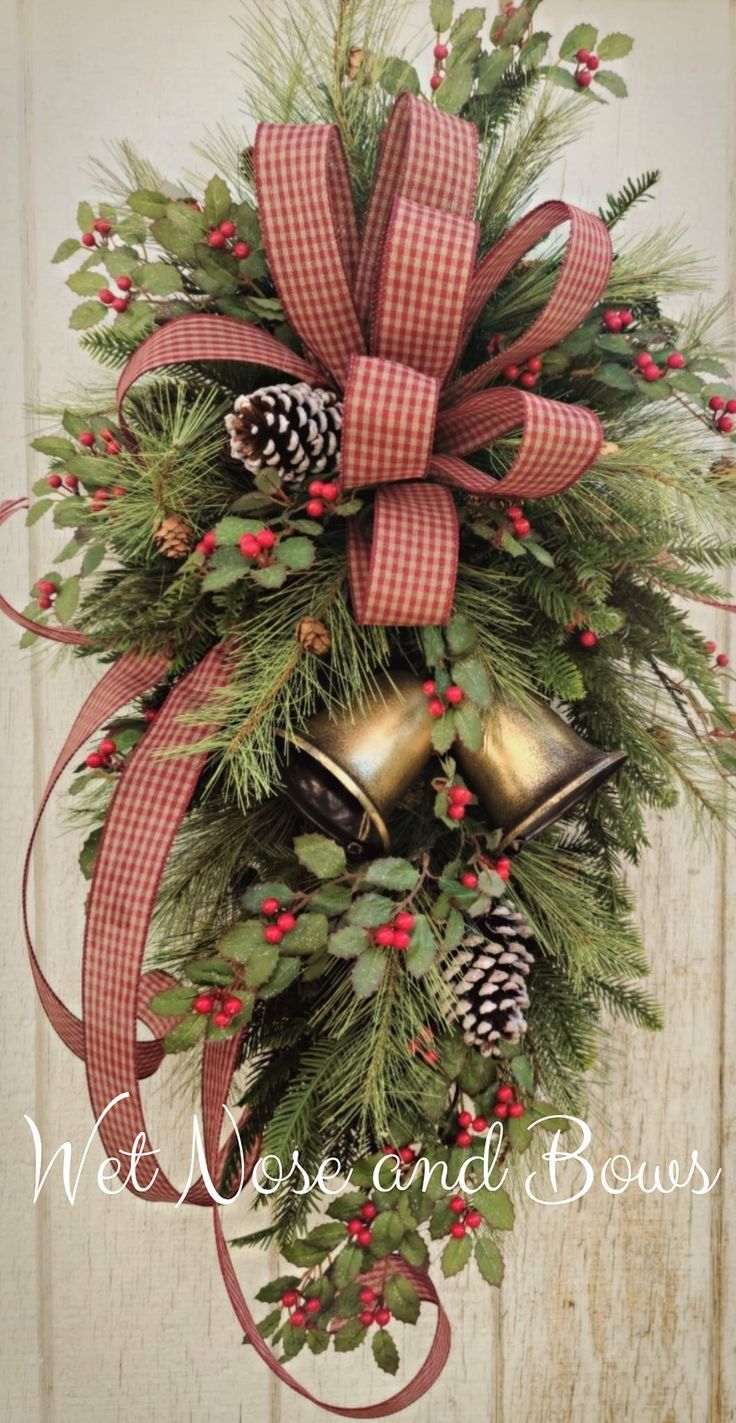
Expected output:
(487, 974)
(175, 537)
(293, 429)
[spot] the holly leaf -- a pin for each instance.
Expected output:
(326, 1237)
(456, 89)
(67, 599)
(55, 446)
(440, 14)
(87, 315)
(66, 249)
(612, 82)
(350, 1335)
(541, 554)
(223, 576)
(616, 376)
(461, 635)
(496, 1207)
(210, 971)
(309, 935)
(283, 975)
(441, 1219)
(260, 964)
(173, 1001)
(268, 889)
(85, 283)
(561, 77)
(332, 899)
(217, 201)
(296, 553)
(385, 1352)
(580, 37)
(271, 1293)
(419, 956)
(273, 576)
(122, 262)
(371, 910)
(467, 24)
(523, 1072)
(346, 1266)
(491, 67)
(160, 278)
(241, 941)
(324, 858)
(414, 1250)
(455, 1255)
(402, 1298)
(85, 217)
(38, 510)
(443, 732)
(489, 1260)
(148, 203)
(391, 873)
(397, 76)
(471, 675)
(92, 559)
(186, 1033)
(615, 46)
(469, 726)
(368, 972)
(517, 1132)
(347, 943)
(387, 1231)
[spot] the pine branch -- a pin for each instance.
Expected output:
(635, 190)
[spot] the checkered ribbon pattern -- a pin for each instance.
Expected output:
(384, 318)
(150, 801)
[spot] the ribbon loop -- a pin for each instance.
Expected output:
(388, 423)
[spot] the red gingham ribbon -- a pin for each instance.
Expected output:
(386, 320)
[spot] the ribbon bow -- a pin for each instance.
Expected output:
(385, 319)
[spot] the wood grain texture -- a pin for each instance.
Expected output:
(612, 1308)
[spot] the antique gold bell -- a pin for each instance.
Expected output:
(347, 774)
(532, 769)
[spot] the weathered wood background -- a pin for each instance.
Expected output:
(613, 1308)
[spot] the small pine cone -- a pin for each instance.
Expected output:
(175, 537)
(293, 429)
(313, 636)
(487, 974)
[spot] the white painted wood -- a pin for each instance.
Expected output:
(611, 1309)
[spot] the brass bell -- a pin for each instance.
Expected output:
(348, 773)
(532, 769)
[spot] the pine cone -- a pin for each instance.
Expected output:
(293, 429)
(313, 636)
(487, 975)
(175, 537)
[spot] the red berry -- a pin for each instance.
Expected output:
(364, 1237)
(464, 1119)
(272, 934)
(582, 56)
(315, 488)
(454, 695)
(460, 795)
(221, 1019)
(504, 1093)
(627, 318)
(469, 880)
(150, 714)
(457, 1230)
(516, 1109)
(473, 1219)
(722, 659)
(45, 585)
(125, 284)
(731, 407)
(102, 226)
(87, 239)
(369, 1212)
(108, 747)
(588, 638)
(406, 1155)
(228, 228)
(298, 1318)
(383, 1316)
(457, 1205)
(367, 1295)
(87, 439)
(233, 1005)
(54, 481)
(592, 61)
(266, 538)
(436, 81)
(354, 1226)
(404, 920)
(676, 361)
(289, 1298)
(456, 812)
(527, 379)
(286, 922)
(612, 321)
(429, 687)
(514, 511)
(209, 540)
(315, 508)
(503, 864)
(270, 906)
(463, 1138)
(510, 373)
(502, 870)
(441, 51)
(204, 1003)
(249, 545)
(400, 939)
(711, 646)
(44, 602)
(435, 707)
(716, 402)
(330, 492)
(725, 424)
(366, 1317)
(217, 239)
(500, 1111)
(313, 1306)
(95, 760)
(106, 296)
(583, 77)
(112, 448)
(652, 373)
(241, 250)
(480, 1124)
(100, 495)
(534, 364)
(522, 528)
(384, 936)
(120, 303)
(644, 360)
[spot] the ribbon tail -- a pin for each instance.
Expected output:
(405, 576)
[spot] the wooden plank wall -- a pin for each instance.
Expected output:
(613, 1308)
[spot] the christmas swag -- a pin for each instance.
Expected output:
(386, 559)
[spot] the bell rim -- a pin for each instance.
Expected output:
(346, 780)
(562, 800)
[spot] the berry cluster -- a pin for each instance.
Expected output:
(219, 1005)
(397, 934)
(501, 865)
(460, 798)
(224, 238)
(465, 1120)
(519, 525)
(45, 593)
(440, 53)
(722, 659)
(422, 1046)
(257, 545)
(374, 1310)
(101, 497)
(117, 300)
(723, 410)
(586, 67)
(207, 544)
(100, 229)
(435, 705)
(615, 321)
(282, 922)
(359, 1226)
(527, 375)
(101, 759)
(507, 1103)
(467, 1218)
(302, 1311)
(322, 498)
(647, 367)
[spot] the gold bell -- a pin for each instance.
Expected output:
(347, 774)
(532, 769)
